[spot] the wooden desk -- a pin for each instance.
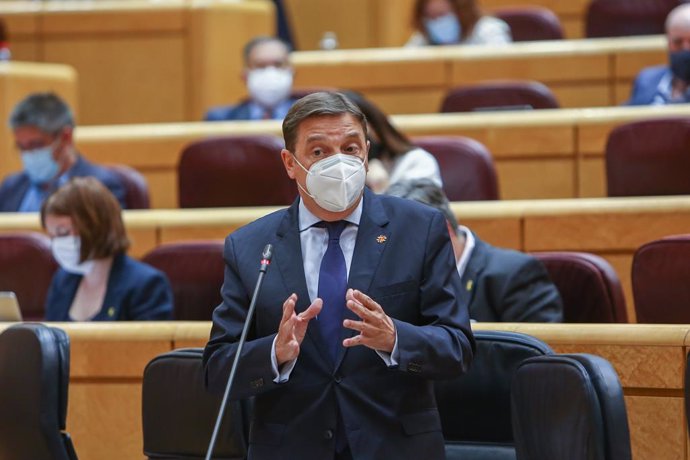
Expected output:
(581, 73)
(538, 154)
(142, 61)
(108, 360)
(610, 227)
(18, 80)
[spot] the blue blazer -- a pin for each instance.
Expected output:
(135, 292)
(15, 186)
(404, 260)
(237, 112)
(646, 83)
(509, 286)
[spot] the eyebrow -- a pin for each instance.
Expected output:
(320, 137)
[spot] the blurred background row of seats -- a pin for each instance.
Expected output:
(589, 286)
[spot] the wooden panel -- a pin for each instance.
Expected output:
(583, 95)
(516, 179)
(392, 22)
(117, 358)
(119, 73)
(592, 137)
(639, 366)
(104, 419)
(597, 232)
(505, 232)
(142, 240)
(530, 141)
(207, 232)
(655, 431)
(622, 264)
(622, 92)
(573, 28)
(409, 101)
(66, 18)
(628, 64)
(163, 188)
(592, 178)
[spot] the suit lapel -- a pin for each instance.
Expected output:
(372, 236)
(288, 258)
(475, 266)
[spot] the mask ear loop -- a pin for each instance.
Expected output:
(306, 171)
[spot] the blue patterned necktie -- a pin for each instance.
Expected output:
(332, 288)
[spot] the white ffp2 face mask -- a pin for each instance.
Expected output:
(269, 86)
(67, 252)
(335, 183)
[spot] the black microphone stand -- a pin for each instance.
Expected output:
(265, 262)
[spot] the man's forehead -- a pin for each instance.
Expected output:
(270, 50)
(321, 126)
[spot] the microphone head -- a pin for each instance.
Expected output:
(268, 252)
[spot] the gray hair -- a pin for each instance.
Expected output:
(45, 111)
(317, 105)
(424, 191)
(260, 40)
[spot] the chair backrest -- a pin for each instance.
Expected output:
(569, 407)
(234, 171)
(27, 267)
(34, 367)
(618, 18)
(195, 270)
(475, 408)
(499, 95)
(589, 286)
(647, 158)
(660, 280)
(136, 188)
(529, 23)
(179, 414)
(467, 169)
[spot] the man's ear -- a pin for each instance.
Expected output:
(288, 162)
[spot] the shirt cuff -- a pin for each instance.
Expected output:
(282, 375)
(391, 359)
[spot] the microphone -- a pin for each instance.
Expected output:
(266, 257)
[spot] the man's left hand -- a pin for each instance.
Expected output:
(376, 329)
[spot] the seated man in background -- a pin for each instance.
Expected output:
(268, 76)
(43, 128)
(668, 84)
(503, 285)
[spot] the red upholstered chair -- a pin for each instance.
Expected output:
(234, 171)
(650, 157)
(661, 280)
(499, 95)
(195, 270)
(589, 287)
(27, 267)
(467, 168)
(529, 23)
(619, 18)
(136, 188)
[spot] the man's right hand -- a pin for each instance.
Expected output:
(292, 329)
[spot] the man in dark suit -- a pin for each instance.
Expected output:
(371, 308)
(668, 84)
(43, 128)
(268, 76)
(503, 285)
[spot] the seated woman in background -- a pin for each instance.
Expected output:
(96, 280)
(455, 22)
(392, 157)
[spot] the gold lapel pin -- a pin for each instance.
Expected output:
(381, 239)
(111, 311)
(469, 284)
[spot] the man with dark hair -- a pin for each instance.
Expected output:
(503, 285)
(268, 76)
(371, 307)
(43, 128)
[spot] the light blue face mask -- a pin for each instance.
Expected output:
(39, 164)
(444, 30)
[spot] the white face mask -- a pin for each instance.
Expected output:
(269, 86)
(336, 182)
(67, 252)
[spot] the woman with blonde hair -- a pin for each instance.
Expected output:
(96, 280)
(455, 22)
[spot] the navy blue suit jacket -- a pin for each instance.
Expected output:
(233, 112)
(135, 292)
(509, 286)
(645, 86)
(404, 260)
(15, 186)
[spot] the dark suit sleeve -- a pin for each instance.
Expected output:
(255, 373)
(441, 345)
(530, 296)
(152, 298)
